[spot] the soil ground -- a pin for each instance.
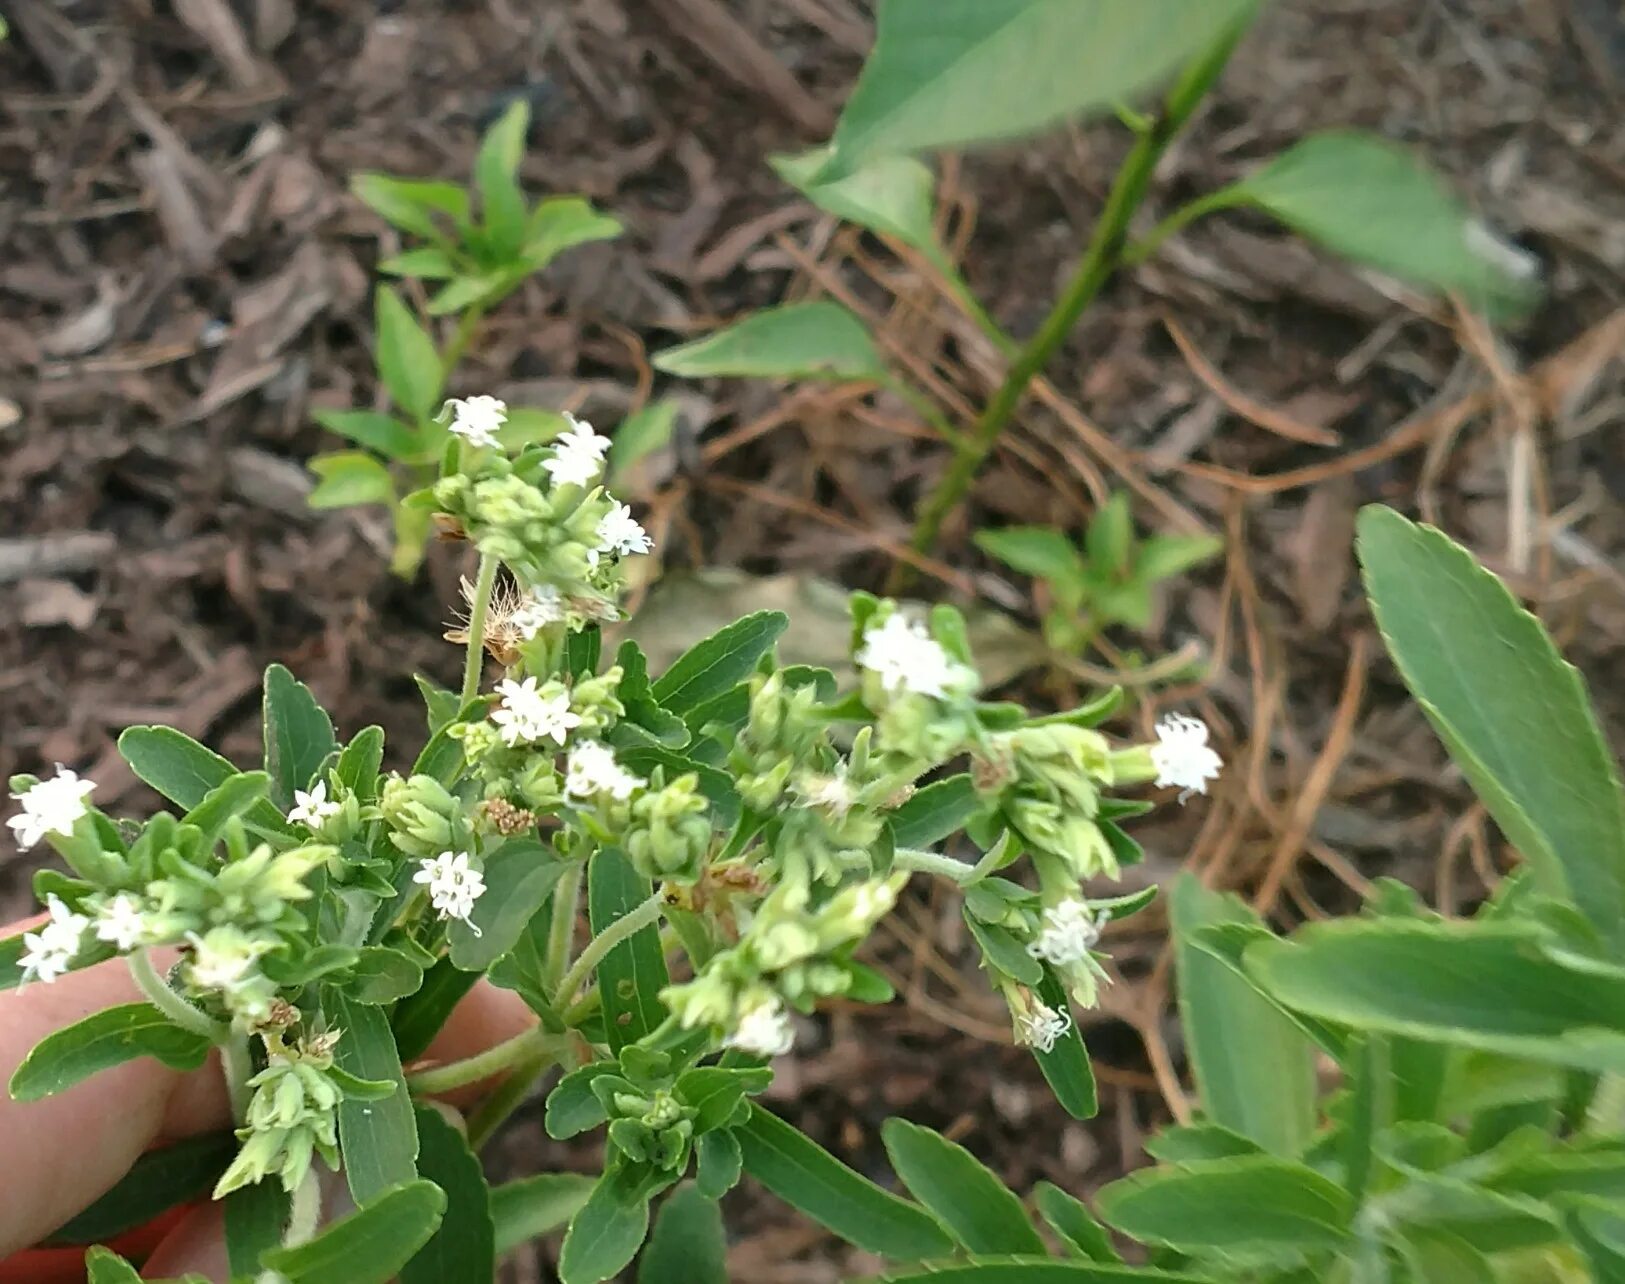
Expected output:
(183, 277)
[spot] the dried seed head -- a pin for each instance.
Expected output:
(507, 819)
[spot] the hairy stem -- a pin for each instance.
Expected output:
(474, 665)
(161, 996)
(527, 1046)
(923, 862)
(1101, 258)
(636, 919)
(237, 1065)
(561, 928)
(508, 1097)
(305, 1211)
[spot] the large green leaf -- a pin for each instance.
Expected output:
(379, 1139)
(496, 167)
(407, 361)
(818, 340)
(688, 1243)
(947, 73)
(1035, 550)
(105, 1039)
(633, 973)
(1065, 1066)
(345, 478)
(891, 195)
(1246, 1204)
(519, 877)
(1375, 202)
(807, 1177)
(1254, 1068)
(977, 1208)
(464, 1247)
(606, 1233)
(936, 811)
(536, 1206)
(157, 1181)
(370, 1245)
(298, 734)
(185, 772)
(1477, 985)
(1513, 714)
(561, 223)
(718, 663)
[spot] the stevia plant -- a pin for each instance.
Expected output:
(476, 246)
(958, 74)
(736, 828)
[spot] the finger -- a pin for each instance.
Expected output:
(197, 1244)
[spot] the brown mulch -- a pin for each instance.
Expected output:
(183, 277)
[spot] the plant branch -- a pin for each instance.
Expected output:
(474, 665)
(533, 1043)
(163, 997)
(305, 1211)
(237, 1065)
(635, 920)
(561, 929)
(924, 862)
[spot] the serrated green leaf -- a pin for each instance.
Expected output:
(1513, 714)
(156, 1182)
(718, 1163)
(358, 764)
(1251, 1203)
(370, 1245)
(817, 340)
(572, 1106)
(104, 1039)
(947, 73)
(298, 734)
(104, 1266)
(606, 1233)
(372, 429)
(520, 875)
(378, 1139)
(718, 663)
(633, 973)
(383, 975)
(688, 1242)
(1181, 1143)
(407, 361)
(1074, 1223)
(976, 1207)
(1038, 551)
(807, 1177)
(464, 1245)
(233, 796)
(535, 1206)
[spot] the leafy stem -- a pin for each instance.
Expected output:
(635, 920)
(161, 996)
(477, 610)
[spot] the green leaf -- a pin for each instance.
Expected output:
(372, 1244)
(495, 174)
(1003, 952)
(407, 361)
(255, 1217)
(606, 1233)
(358, 764)
(231, 797)
(156, 1182)
(463, 292)
(1374, 201)
(947, 73)
(1034, 550)
(419, 1016)
(639, 436)
(105, 1039)
(1253, 1066)
(410, 204)
(718, 663)
(383, 975)
(1565, 1172)
(562, 223)
(936, 811)
(1476, 985)
(1066, 1066)
(688, 1243)
(807, 1177)
(1600, 1230)
(379, 1139)
(572, 1106)
(184, 772)
(349, 477)
(976, 1207)
(1037, 1270)
(717, 1163)
(464, 1247)
(535, 1206)
(1441, 1258)
(1074, 1223)
(1250, 1203)
(1512, 713)
(1161, 557)
(633, 973)
(426, 263)
(373, 429)
(519, 876)
(104, 1266)
(818, 340)
(298, 734)
(892, 195)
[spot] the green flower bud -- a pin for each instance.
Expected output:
(292, 1116)
(423, 816)
(669, 831)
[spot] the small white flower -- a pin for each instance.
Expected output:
(833, 793)
(476, 419)
(221, 958)
(592, 769)
(764, 1030)
(540, 607)
(121, 922)
(1041, 1026)
(619, 532)
(314, 809)
(578, 455)
(1069, 932)
(50, 951)
(908, 658)
(526, 715)
(1182, 756)
(51, 806)
(454, 885)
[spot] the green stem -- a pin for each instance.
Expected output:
(474, 665)
(1101, 259)
(508, 1097)
(1181, 218)
(305, 1211)
(237, 1064)
(635, 920)
(923, 862)
(561, 929)
(177, 1009)
(467, 324)
(533, 1043)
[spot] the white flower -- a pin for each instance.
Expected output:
(592, 769)
(50, 951)
(221, 958)
(538, 608)
(619, 532)
(51, 807)
(764, 1030)
(1069, 933)
(834, 793)
(314, 809)
(1182, 756)
(476, 419)
(121, 922)
(453, 885)
(1041, 1026)
(578, 455)
(526, 715)
(907, 658)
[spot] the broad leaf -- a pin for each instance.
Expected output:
(807, 1177)
(817, 340)
(184, 772)
(688, 1242)
(349, 477)
(1513, 714)
(298, 734)
(104, 1266)
(947, 73)
(561, 223)
(372, 429)
(633, 973)
(369, 1246)
(105, 1039)
(379, 1139)
(1074, 1223)
(519, 877)
(420, 1015)
(495, 174)
(464, 1246)
(358, 764)
(410, 204)
(936, 811)
(976, 1207)
(1038, 551)
(1254, 1068)
(606, 1233)
(156, 1182)
(535, 1206)
(892, 195)
(233, 796)
(407, 361)
(718, 663)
